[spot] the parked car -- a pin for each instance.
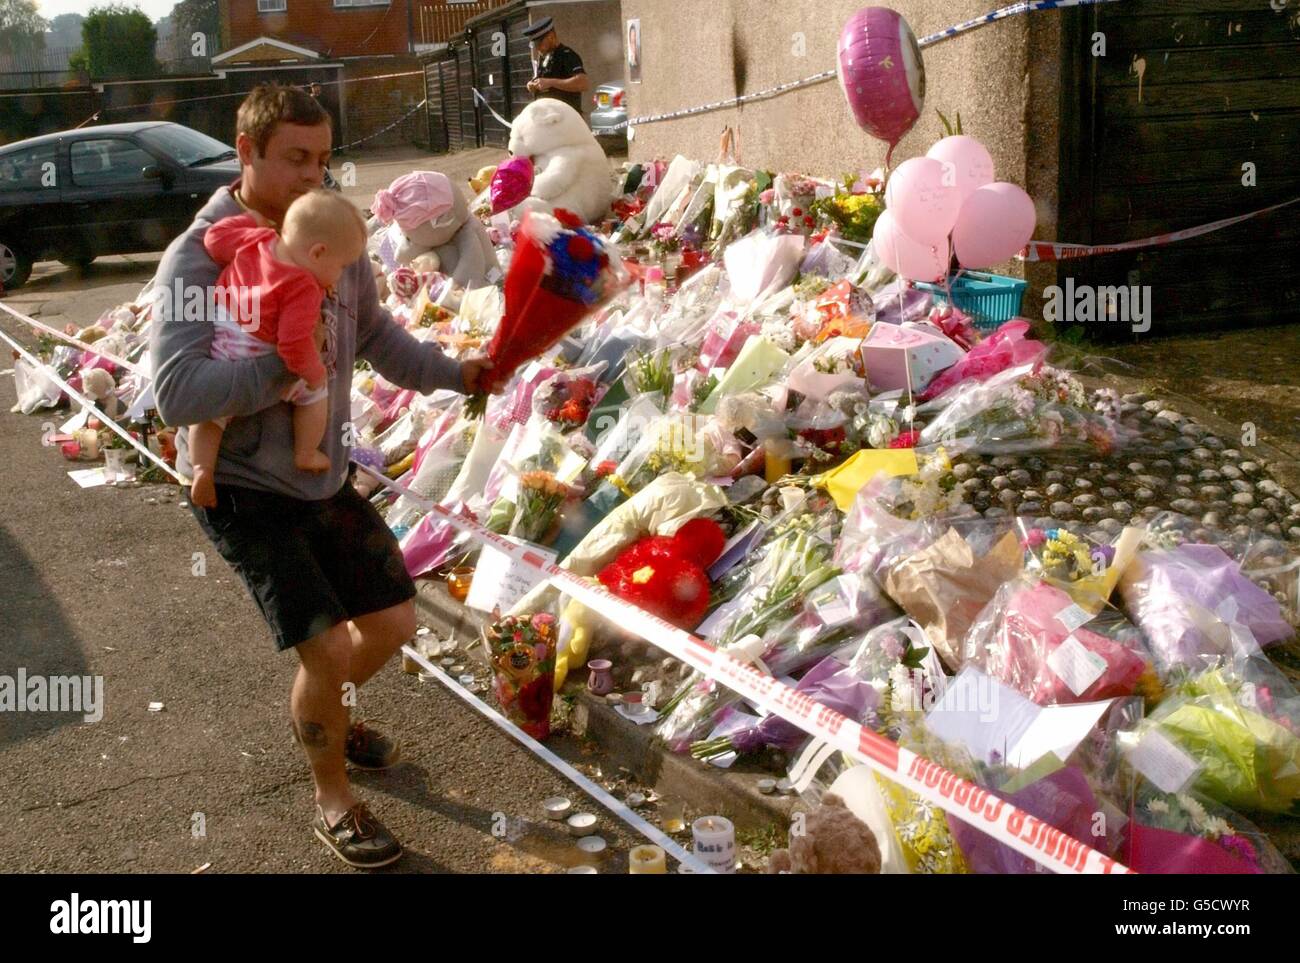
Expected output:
(609, 109)
(115, 189)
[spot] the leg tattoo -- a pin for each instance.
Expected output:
(312, 735)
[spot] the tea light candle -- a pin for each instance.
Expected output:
(785, 787)
(582, 871)
(635, 799)
(647, 861)
(715, 842)
(447, 662)
(465, 680)
(592, 844)
(581, 824)
(557, 807)
(767, 786)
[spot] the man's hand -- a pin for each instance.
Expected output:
(479, 376)
(538, 84)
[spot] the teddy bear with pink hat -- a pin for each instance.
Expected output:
(423, 212)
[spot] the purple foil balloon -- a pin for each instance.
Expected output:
(512, 182)
(882, 73)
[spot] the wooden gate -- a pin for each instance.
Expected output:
(1192, 115)
(435, 107)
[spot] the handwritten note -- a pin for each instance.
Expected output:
(500, 581)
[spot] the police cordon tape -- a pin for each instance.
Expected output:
(1028, 835)
(1062, 251)
(620, 809)
(76, 395)
(83, 345)
(1025, 6)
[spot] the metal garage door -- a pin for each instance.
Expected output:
(1188, 93)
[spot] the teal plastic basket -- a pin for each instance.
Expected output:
(988, 299)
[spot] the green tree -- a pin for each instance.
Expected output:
(117, 42)
(196, 16)
(65, 30)
(22, 28)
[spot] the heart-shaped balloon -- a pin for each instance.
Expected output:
(512, 182)
(882, 74)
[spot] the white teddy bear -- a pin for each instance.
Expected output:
(569, 168)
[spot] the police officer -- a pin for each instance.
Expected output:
(560, 73)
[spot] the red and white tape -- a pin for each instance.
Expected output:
(1061, 251)
(1040, 841)
(83, 345)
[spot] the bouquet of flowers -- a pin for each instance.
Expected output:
(1196, 607)
(561, 272)
(1033, 637)
(567, 398)
(1186, 832)
(1238, 726)
(541, 498)
(522, 651)
(1026, 408)
(830, 683)
(854, 215)
(793, 196)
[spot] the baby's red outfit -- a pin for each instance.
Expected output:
(289, 297)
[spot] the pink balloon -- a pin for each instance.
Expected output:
(906, 256)
(971, 165)
(512, 182)
(994, 224)
(882, 73)
(924, 206)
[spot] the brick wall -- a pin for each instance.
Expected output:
(319, 25)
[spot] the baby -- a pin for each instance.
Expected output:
(272, 286)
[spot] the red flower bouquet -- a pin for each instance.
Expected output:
(667, 576)
(523, 669)
(561, 272)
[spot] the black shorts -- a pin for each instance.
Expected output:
(308, 565)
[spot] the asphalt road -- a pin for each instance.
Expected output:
(100, 582)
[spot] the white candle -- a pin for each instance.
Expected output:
(715, 842)
(647, 860)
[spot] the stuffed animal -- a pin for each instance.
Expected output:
(99, 385)
(433, 215)
(480, 181)
(666, 575)
(832, 841)
(570, 168)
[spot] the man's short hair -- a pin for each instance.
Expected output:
(269, 104)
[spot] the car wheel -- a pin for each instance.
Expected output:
(15, 267)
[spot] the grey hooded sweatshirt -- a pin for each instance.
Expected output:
(191, 387)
